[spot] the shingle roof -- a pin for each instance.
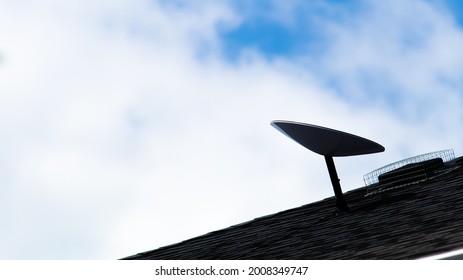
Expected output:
(402, 223)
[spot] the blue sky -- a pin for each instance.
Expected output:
(306, 34)
(130, 125)
(275, 38)
(291, 37)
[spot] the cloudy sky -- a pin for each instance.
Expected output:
(129, 125)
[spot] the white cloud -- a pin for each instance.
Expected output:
(123, 129)
(413, 55)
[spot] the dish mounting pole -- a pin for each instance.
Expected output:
(341, 203)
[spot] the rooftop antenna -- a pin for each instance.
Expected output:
(329, 143)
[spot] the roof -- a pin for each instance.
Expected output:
(407, 222)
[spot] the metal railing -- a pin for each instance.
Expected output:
(372, 177)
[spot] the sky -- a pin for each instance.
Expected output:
(130, 125)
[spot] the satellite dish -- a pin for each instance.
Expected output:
(329, 143)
